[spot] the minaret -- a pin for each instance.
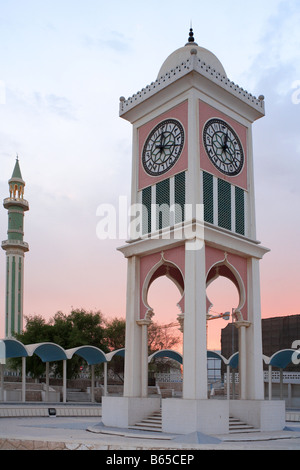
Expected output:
(15, 248)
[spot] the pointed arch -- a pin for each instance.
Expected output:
(226, 269)
(163, 268)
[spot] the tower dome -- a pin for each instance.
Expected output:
(184, 53)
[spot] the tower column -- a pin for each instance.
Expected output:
(242, 325)
(144, 353)
(194, 339)
(255, 384)
(133, 341)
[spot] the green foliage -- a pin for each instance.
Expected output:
(79, 328)
(115, 337)
(115, 334)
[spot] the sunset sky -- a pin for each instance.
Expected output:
(64, 65)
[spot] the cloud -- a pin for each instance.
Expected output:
(58, 105)
(116, 42)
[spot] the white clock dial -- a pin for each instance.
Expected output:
(163, 147)
(223, 147)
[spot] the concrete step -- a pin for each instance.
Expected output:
(152, 423)
(238, 426)
(78, 397)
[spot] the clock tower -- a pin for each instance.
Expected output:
(192, 176)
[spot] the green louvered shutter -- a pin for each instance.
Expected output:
(239, 211)
(146, 218)
(224, 204)
(208, 197)
(163, 204)
(179, 197)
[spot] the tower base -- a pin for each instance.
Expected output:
(180, 416)
(122, 412)
(262, 414)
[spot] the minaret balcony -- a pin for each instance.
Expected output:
(16, 201)
(15, 245)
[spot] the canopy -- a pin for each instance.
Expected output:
(90, 354)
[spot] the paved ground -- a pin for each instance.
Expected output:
(87, 433)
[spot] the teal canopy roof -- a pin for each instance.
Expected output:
(90, 354)
(283, 358)
(233, 361)
(176, 356)
(14, 348)
(47, 352)
(117, 352)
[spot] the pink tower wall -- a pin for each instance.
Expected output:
(206, 112)
(180, 113)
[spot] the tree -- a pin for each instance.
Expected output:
(37, 331)
(80, 328)
(162, 337)
(68, 331)
(115, 333)
(115, 337)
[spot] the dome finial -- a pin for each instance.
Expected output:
(191, 35)
(191, 40)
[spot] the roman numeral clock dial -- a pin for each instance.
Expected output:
(163, 147)
(223, 147)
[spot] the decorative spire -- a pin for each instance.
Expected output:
(191, 35)
(17, 170)
(191, 40)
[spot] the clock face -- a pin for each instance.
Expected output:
(223, 147)
(163, 147)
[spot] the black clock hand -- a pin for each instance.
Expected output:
(161, 145)
(225, 146)
(230, 153)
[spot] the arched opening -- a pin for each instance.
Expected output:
(166, 269)
(163, 293)
(164, 297)
(223, 297)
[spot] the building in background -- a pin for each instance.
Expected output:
(278, 333)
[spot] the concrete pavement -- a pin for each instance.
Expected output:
(88, 433)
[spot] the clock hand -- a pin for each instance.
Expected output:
(161, 145)
(225, 146)
(229, 154)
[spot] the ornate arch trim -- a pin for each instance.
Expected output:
(166, 268)
(226, 269)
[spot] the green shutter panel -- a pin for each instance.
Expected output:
(224, 204)
(208, 197)
(239, 211)
(163, 204)
(146, 216)
(179, 197)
